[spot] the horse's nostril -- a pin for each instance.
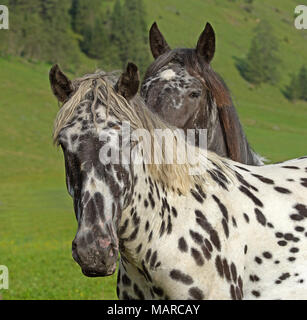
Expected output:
(111, 252)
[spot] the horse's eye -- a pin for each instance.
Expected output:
(194, 95)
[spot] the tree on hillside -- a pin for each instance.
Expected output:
(135, 47)
(291, 91)
(143, 24)
(58, 31)
(25, 24)
(87, 20)
(61, 43)
(117, 36)
(302, 82)
(297, 88)
(127, 35)
(41, 30)
(261, 63)
(84, 13)
(96, 43)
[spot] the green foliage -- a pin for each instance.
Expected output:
(96, 42)
(297, 88)
(87, 21)
(292, 89)
(61, 31)
(62, 46)
(116, 37)
(302, 81)
(129, 34)
(135, 44)
(40, 30)
(261, 63)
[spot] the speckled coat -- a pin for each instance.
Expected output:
(238, 232)
(240, 240)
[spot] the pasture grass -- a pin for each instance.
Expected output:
(37, 223)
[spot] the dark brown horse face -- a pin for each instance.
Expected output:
(175, 95)
(182, 88)
(175, 85)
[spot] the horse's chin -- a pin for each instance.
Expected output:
(96, 274)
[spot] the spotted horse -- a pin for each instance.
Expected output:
(183, 89)
(232, 232)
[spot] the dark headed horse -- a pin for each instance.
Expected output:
(183, 89)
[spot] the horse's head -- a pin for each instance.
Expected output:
(99, 190)
(180, 82)
(182, 88)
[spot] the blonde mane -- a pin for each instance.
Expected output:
(173, 176)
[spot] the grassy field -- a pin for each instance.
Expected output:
(36, 216)
(37, 223)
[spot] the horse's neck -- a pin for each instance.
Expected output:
(217, 141)
(141, 221)
(156, 214)
(251, 158)
(215, 136)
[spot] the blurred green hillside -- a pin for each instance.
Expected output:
(37, 223)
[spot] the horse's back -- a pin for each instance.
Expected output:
(275, 202)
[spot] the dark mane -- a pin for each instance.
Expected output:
(198, 69)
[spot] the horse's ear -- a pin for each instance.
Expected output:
(233, 132)
(206, 44)
(61, 86)
(158, 44)
(128, 83)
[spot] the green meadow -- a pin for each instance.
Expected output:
(37, 223)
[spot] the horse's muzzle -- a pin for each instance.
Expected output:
(94, 260)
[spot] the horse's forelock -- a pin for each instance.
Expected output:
(159, 63)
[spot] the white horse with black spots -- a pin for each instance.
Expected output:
(232, 232)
